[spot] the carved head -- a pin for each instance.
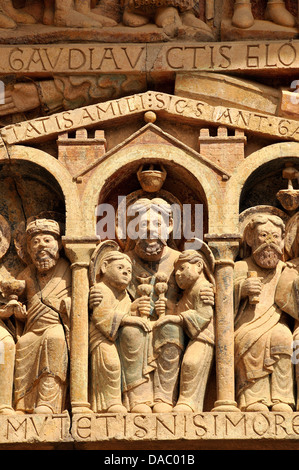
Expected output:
(116, 270)
(190, 265)
(151, 226)
(264, 234)
(43, 243)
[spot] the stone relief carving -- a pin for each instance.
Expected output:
(42, 315)
(275, 12)
(152, 330)
(263, 338)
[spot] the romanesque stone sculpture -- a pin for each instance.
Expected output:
(151, 380)
(115, 273)
(276, 12)
(168, 14)
(10, 16)
(193, 272)
(7, 330)
(287, 289)
(263, 339)
(42, 350)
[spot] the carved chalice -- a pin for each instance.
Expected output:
(144, 290)
(161, 287)
(12, 289)
(289, 198)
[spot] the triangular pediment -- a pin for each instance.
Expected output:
(151, 134)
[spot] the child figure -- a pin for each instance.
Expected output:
(114, 309)
(115, 271)
(193, 273)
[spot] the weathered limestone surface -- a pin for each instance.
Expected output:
(149, 240)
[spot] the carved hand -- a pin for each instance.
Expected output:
(207, 295)
(177, 319)
(160, 307)
(13, 308)
(95, 297)
(142, 304)
(137, 321)
(251, 286)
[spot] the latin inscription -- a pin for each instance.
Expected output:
(187, 109)
(186, 426)
(114, 58)
(38, 428)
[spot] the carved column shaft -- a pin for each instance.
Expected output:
(225, 249)
(79, 254)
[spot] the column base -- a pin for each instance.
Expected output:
(225, 406)
(81, 408)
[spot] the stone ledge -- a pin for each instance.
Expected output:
(191, 431)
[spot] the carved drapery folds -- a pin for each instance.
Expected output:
(149, 219)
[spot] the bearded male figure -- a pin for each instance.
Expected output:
(263, 339)
(41, 352)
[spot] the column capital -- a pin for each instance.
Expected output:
(225, 247)
(79, 250)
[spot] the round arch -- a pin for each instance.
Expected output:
(235, 185)
(125, 158)
(63, 178)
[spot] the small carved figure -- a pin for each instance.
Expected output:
(115, 272)
(193, 273)
(263, 339)
(276, 12)
(42, 351)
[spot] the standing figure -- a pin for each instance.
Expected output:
(263, 339)
(42, 350)
(287, 292)
(276, 12)
(114, 274)
(194, 271)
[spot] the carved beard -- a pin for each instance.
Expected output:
(267, 255)
(45, 259)
(151, 247)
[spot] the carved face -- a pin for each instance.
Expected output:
(153, 233)
(44, 250)
(267, 245)
(186, 274)
(117, 273)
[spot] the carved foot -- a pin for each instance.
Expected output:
(133, 19)
(242, 17)
(7, 410)
(104, 19)
(259, 407)
(277, 12)
(189, 19)
(182, 408)
(43, 409)
(141, 408)
(6, 22)
(169, 19)
(117, 409)
(282, 408)
(74, 19)
(162, 408)
(16, 15)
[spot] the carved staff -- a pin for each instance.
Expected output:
(161, 287)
